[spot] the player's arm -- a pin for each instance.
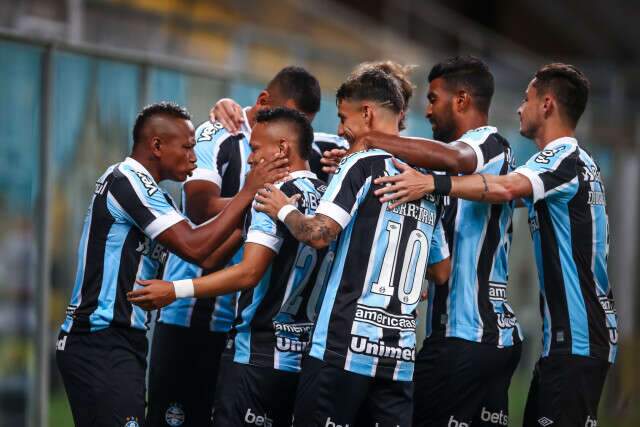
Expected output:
(455, 158)
(223, 254)
(203, 201)
(159, 293)
(413, 185)
(196, 244)
(317, 231)
(439, 272)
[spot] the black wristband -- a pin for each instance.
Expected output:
(441, 185)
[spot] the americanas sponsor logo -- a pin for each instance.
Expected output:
(174, 416)
(378, 317)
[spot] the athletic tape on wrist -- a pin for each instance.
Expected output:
(183, 288)
(284, 211)
(441, 185)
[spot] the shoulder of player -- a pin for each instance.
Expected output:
(557, 154)
(125, 176)
(479, 135)
(327, 141)
(214, 133)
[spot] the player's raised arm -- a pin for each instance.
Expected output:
(229, 113)
(455, 158)
(316, 231)
(196, 244)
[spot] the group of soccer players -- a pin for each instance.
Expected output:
(293, 269)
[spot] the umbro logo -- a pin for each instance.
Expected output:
(544, 421)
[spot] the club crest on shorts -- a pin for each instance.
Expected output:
(131, 422)
(174, 415)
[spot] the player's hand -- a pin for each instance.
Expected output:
(266, 172)
(270, 200)
(229, 114)
(155, 294)
(331, 159)
(407, 186)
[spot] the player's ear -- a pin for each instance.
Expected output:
(284, 146)
(548, 106)
(264, 99)
(462, 100)
(367, 114)
(156, 145)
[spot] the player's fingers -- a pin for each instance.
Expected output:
(387, 179)
(399, 165)
(212, 114)
(294, 199)
(329, 169)
(386, 190)
(397, 203)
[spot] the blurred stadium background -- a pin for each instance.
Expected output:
(73, 74)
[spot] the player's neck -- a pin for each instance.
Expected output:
(388, 127)
(473, 120)
(298, 165)
(148, 163)
(548, 134)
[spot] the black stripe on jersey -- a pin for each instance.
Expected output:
(124, 193)
(314, 158)
(492, 239)
(229, 154)
(493, 146)
(564, 172)
(130, 258)
(359, 252)
(441, 293)
(101, 222)
(554, 287)
(581, 220)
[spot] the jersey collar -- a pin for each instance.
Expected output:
(302, 174)
(560, 141)
(246, 127)
(137, 166)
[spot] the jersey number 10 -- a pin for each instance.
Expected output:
(416, 253)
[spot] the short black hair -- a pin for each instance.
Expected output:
(373, 85)
(299, 85)
(295, 119)
(470, 73)
(568, 84)
(159, 108)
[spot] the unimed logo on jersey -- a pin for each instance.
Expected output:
(362, 345)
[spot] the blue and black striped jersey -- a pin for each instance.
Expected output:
(570, 231)
(367, 319)
(127, 212)
(222, 160)
(473, 304)
(324, 142)
(275, 318)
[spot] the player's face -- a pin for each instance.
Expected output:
(530, 112)
(264, 144)
(352, 120)
(178, 159)
(440, 111)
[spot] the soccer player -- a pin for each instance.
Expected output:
(191, 333)
(277, 277)
(102, 347)
(473, 340)
(360, 363)
(562, 188)
(229, 113)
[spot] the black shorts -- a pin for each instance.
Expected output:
(183, 371)
(254, 396)
(329, 396)
(104, 376)
(458, 382)
(565, 391)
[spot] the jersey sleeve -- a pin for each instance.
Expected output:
(486, 147)
(439, 249)
(135, 197)
(208, 154)
(265, 231)
(549, 172)
(345, 191)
